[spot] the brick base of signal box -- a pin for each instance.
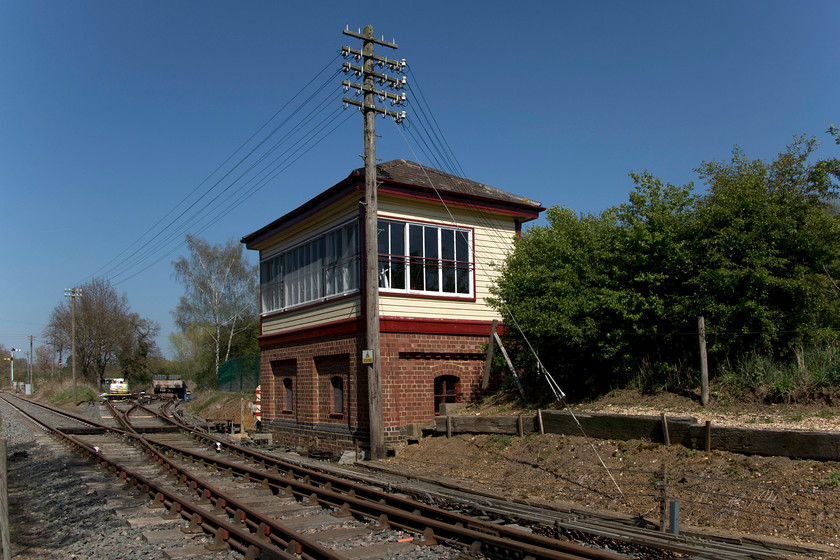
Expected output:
(315, 393)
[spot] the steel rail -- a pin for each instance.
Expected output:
(619, 532)
(269, 533)
(390, 510)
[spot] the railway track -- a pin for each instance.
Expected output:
(266, 507)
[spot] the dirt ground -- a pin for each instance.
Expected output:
(766, 496)
(773, 497)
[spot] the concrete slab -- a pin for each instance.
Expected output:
(376, 550)
(189, 551)
(138, 522)
(291, 511)
(130, 511)
(169, 535)
(341, 533)
(312, 522)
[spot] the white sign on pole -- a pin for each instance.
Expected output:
(367, 356)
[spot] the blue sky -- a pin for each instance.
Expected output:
(111, 113)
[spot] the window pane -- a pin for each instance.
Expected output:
(338, 395)
(431, 241)
(383, 230)
(424, 258)
(397, 231)
(415, 250)
(447, 253)
(289, 396)
(462, 255)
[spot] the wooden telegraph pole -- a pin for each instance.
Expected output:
(371, 253)
(73, 293)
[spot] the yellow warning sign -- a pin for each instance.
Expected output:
(367, 356)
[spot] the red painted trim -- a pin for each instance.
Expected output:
(405, 325)
(420, 192)
(346, 327)
(411, 325)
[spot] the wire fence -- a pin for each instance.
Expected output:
(240, 374)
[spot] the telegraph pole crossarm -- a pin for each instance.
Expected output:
(371, 252)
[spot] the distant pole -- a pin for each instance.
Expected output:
(371, 252)
(4, 503)
(704, 362)
(31, 354)
(73, 293)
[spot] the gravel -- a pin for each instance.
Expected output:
(53, 514)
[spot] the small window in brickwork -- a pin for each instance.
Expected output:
(337, 403)
(332, 371)
(284, 374)
(446, 390)
(288, 395)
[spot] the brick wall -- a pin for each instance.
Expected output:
(410, 364)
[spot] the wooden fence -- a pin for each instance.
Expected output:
(686, 431)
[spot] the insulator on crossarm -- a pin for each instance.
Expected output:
(345, 52)
(345, 67)
(346, 88)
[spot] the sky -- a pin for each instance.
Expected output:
(113, 114)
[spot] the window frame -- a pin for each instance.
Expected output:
(443, 396)
(427, 273)
(317, 269)
(287, 406)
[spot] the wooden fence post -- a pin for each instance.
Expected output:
(488, 360)
(704, 362)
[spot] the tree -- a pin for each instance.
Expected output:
(220, 292)
(767, 233)
(105, 328)
(557, 286)
(605, 298)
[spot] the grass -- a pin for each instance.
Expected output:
(831, 481)
(83, 394)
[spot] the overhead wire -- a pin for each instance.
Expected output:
(557, 391)
(220, 166)
(234, 200)
(229, 186)
(215, 202)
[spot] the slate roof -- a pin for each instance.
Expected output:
(402, 174)
(409, 172)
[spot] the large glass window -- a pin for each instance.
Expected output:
(342, 260)
(425, 258)
(322, 267)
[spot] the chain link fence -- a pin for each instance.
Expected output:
(240, 374)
